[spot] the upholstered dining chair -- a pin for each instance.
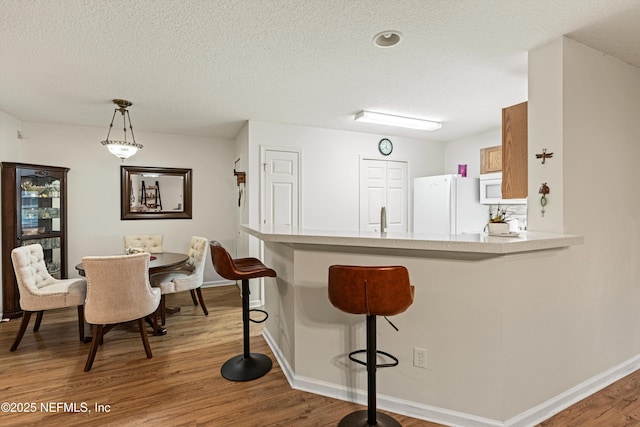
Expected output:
(118, 291)
(151, 243)
(187, 278)
(40, 291)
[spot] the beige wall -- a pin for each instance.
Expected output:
(583, 107)
(94, 224)
(9, 147)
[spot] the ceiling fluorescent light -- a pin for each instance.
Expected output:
(398, 121)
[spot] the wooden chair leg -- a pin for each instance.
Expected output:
(26, 316)
(163, 309)
(204, 307)
(36, 327)
(97, 337)
(81, 322)
(155, 321)
(193, 297)
(145, 339)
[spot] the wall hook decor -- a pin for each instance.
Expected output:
(544, 190)
(544, 155)
(241, 179)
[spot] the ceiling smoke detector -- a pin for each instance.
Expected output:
(387, 39)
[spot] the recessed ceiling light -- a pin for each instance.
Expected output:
(398, 121)
(387, 39)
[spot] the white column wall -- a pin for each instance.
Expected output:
(583, 107)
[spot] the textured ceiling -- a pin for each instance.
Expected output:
(204, 67)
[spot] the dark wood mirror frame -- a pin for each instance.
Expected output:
(126, 212)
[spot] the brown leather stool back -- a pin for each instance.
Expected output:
(377, 291)
(237, 269)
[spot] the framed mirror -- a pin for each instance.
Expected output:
(155, 193)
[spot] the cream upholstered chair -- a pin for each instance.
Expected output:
(151, 243)
(40, 291)
(118, 291)
(188, 278)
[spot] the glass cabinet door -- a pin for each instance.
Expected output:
(39, 215)
(40, 204)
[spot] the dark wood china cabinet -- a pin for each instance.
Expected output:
(34, 210)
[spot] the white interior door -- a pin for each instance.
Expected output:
(281, 189)
(383, 183)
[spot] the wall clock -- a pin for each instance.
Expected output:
(385, 146)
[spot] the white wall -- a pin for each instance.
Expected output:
(546, 100)
(9, 142)
(330, 167)
(467, 151)
(9, 148)
(242, 212)
(600, 154)
(94, 225)
(583, 319)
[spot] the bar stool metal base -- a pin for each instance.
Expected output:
(361, 419)
(241, 368)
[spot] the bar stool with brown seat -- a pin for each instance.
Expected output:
(247, 366)
(374, 291)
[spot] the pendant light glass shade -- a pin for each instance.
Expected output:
(122, 149)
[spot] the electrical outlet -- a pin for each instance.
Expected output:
(419, 357)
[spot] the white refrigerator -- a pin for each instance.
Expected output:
(448, 204)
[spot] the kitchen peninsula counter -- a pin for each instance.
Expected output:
(472, 242)
(490, 312)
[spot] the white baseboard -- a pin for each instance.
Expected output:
(547, 409)
(215, 283)
(530, 417)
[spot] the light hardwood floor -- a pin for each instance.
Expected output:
(181, 385)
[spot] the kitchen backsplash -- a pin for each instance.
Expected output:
(514, 212)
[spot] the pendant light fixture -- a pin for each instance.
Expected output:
(122, 149)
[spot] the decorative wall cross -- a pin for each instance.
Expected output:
(544, 156)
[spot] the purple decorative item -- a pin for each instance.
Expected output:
(462, 170)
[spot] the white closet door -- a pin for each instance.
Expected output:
(383, 183)
(281, 188)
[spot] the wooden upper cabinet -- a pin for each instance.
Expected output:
(514, 152)
(491, 159)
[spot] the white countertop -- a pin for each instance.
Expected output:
(472, 242)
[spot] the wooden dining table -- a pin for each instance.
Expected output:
(158, 263)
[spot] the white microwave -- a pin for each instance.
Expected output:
(491, 191)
